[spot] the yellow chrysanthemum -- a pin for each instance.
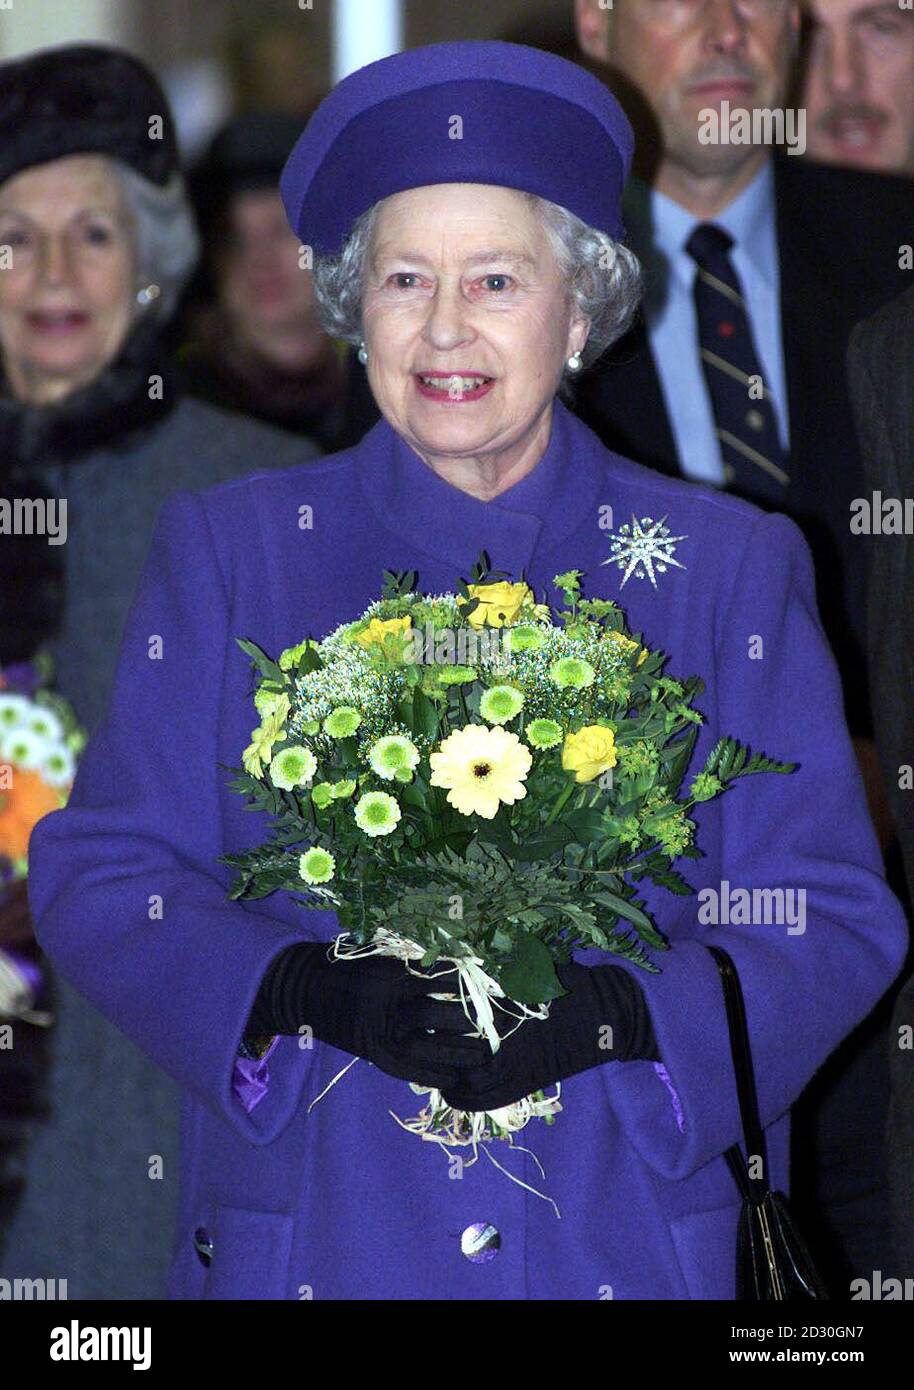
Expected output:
(482, 768)
(589, 752)
(499, 604)
(378, 629)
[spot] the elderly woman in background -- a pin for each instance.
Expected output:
(463, 205)
(99, 240)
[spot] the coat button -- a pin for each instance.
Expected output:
(480, 1242)
(203, 1244)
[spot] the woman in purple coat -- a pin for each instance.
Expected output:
(462, 206)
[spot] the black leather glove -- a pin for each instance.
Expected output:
(543, 1051)
(372, 1007)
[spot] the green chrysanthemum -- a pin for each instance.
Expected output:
(377, 813)
(14, 711)
(500, 704)
(524, 638)
(59, 766)
(455, 675)
(25, 749)
(45, 723)
(342, 722)
(322, 795)
(341, 790)
(571, 672)
(543, 733)
(266, 698)
(394, 757)
(316, 865)
(292, 767)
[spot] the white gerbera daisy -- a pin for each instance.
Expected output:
(482, 768)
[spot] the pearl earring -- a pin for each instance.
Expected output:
(147, 294)
(363, 354)
(574, 362)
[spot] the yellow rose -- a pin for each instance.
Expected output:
(589, 752)
(499, 604)
(378, 629)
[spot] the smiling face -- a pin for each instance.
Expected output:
(66, 298)
(859, 84)
(467, 322)
(686, 56)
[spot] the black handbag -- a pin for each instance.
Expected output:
(773, 1262)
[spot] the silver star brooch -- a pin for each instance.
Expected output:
(641, 548)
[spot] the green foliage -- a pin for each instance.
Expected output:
(398, 582)
(727, 760)
(267, 668)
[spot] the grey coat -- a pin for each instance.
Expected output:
(101, 1173)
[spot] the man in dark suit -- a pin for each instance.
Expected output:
(881, 374)
(757, 265)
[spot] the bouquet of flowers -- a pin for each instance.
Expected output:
(40, 740)
(475, 780)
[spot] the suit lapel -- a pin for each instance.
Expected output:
(823, 454)
(622, 401)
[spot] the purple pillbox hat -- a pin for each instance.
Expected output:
(527, 120)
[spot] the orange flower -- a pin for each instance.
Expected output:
(21, 808)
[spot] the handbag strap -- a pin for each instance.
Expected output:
(752, 1189)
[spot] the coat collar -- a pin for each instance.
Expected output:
(442, 521)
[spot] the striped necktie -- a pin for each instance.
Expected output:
(754, 462)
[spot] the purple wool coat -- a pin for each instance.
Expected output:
(339, 1202)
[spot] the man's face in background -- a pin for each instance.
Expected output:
(685, 56)
(858, 83)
